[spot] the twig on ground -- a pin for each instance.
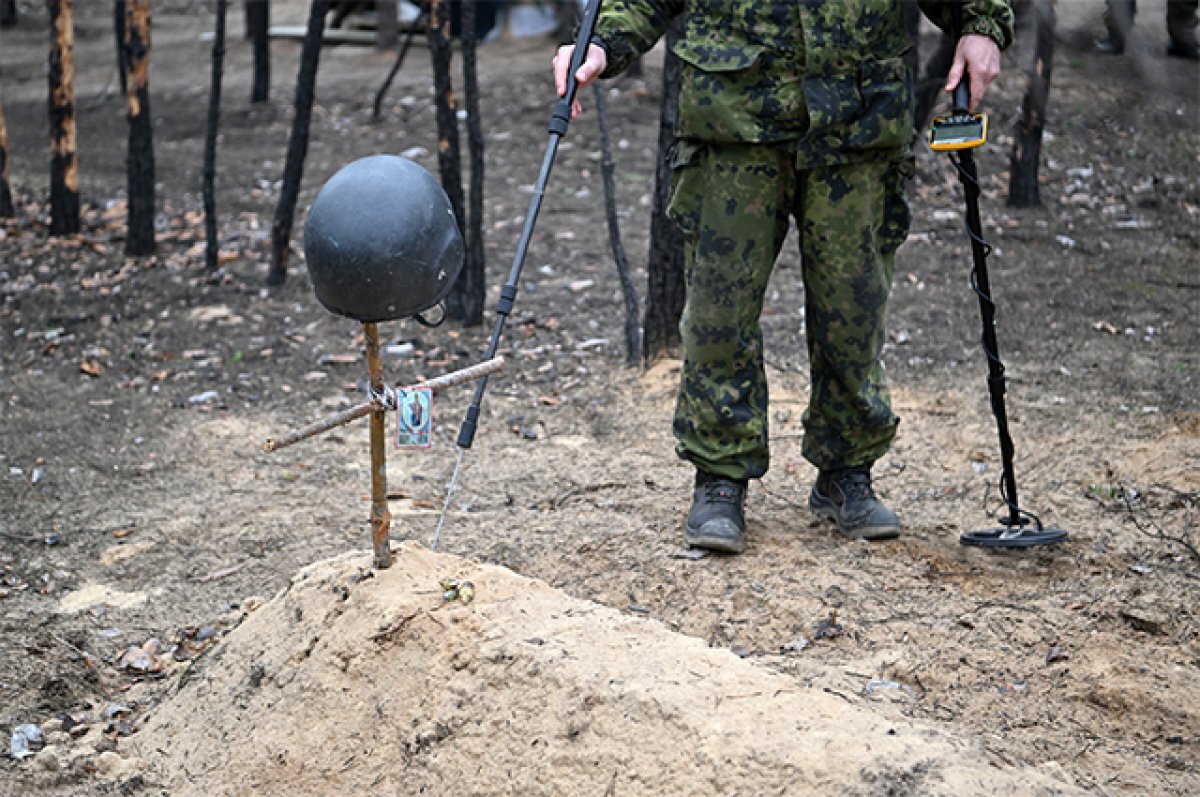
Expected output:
(1185, 538)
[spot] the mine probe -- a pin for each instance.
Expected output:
(560, 119)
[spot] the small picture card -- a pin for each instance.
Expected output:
(414, 417)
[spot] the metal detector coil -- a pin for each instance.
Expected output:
(381, 241)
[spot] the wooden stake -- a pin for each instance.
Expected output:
(381, 518)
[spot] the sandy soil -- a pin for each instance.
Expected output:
(183, 613)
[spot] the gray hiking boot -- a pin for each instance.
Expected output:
(716, 521)
(846, 498)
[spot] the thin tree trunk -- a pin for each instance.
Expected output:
(933, 79)
(293, 170)
(387, 24)
(212, 245)
(665, 288)
(119, 14)
(258, 24)
(633, 331)
(421, 21)
(466, 298)
(1023, 167)
(8, 13)
(449, 152)
(139, 238)
(64, 164)
(7, 211)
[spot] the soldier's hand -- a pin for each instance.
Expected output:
(588, 71)
(980, 56)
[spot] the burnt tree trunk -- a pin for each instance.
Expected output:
(421, 21)
(466, 297)
(6, 204)
(119, 13)
(293, 170)
(212, 245)
(633, 332)
(665, 285)
(449, 152)
(139, 237)
(1027, 149)
(387, 24)
(933, 79)
(8, 13)
(258, 23)
(64, 164)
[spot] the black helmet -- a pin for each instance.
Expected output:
(381, 241)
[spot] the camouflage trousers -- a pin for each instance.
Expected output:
(734, 204)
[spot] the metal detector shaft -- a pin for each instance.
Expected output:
(559, 121)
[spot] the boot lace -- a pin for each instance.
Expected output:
(722, 491)
(855, 485)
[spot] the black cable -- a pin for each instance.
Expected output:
(996, 380)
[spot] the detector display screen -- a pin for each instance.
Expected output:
(962, 131)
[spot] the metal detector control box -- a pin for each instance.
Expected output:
(960, 130)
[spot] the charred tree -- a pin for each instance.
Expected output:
(293, 170)
(139, 237)
(387, 22)
(422, 21)
(258, 24)
(64, 164)
(665, 286)
(633, 330)
(119, 13)
(449, 152)
(1027, 149)
(8, 13)
(6, 204)
(212, 245)
(932, 80)
(466, 297)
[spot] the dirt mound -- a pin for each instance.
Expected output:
(354, 681)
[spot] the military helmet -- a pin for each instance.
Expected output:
(381, 241)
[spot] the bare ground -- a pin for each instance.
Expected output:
(133, 507)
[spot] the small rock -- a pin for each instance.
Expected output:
(1144, 619)
(204, 398)
(1056, 654)
(26, 740)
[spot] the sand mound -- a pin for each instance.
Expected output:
(356, 682)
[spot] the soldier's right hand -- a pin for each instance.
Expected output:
(588, 71)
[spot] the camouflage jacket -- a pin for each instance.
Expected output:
(827, 75)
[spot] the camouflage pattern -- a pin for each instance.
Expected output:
(734, 204)
(787, 108)
(828, 74)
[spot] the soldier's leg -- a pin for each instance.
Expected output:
(733, 205)
(852, 219)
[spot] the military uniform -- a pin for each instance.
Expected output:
(787, 108)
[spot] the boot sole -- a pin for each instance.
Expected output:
(694, 539)
(871, 533)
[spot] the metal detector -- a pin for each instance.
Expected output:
(959, 134)
(560, 119)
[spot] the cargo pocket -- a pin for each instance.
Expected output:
(684, 204)
(721, 91)
(886, 109)
(897, 217)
